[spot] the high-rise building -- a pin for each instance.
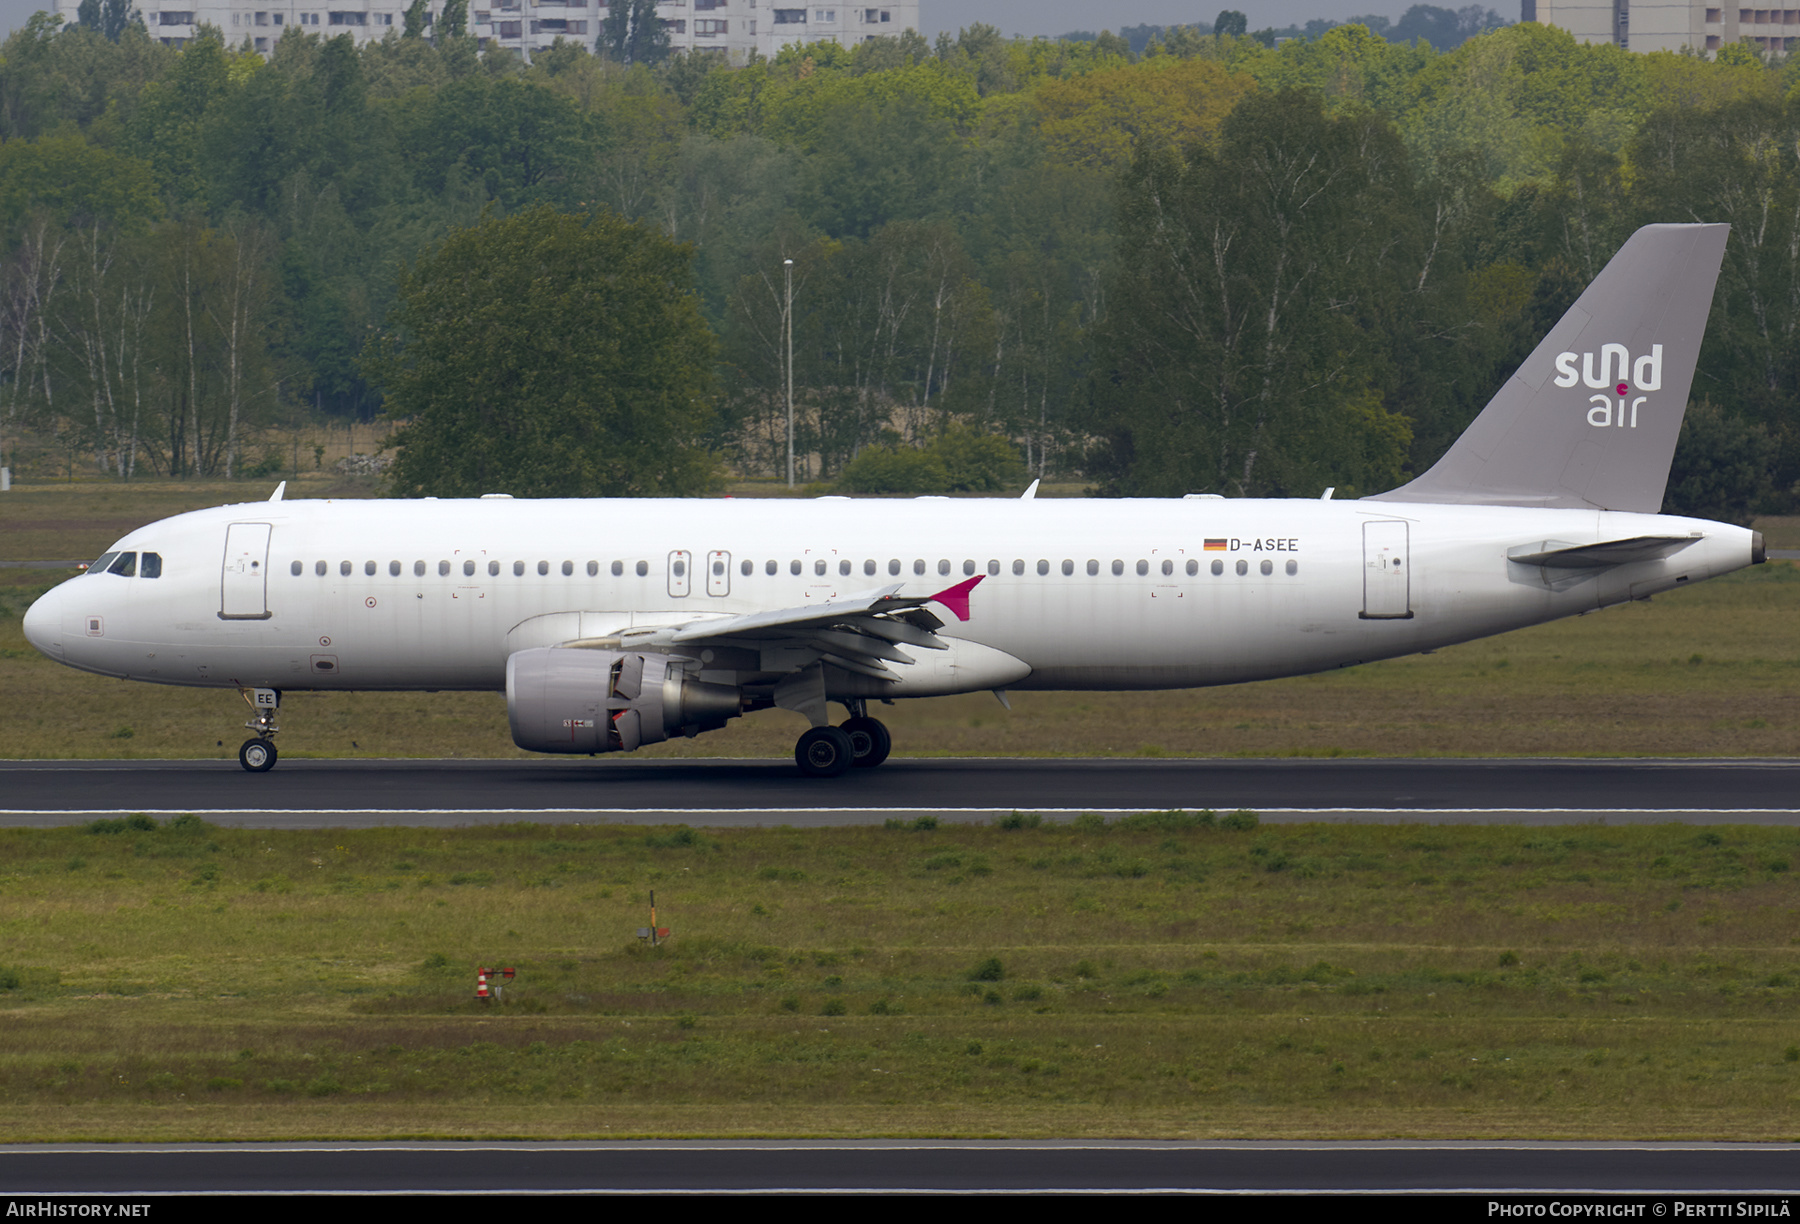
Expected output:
(1667, 25)
(728, 28)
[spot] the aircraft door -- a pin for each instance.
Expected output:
(1387, 577)
(244, 585)
(680, 562)
(718, 573)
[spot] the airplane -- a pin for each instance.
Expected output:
(611, 624)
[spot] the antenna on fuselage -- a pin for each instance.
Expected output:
(1030, 494)
(279, 490)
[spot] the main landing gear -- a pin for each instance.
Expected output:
(258, 754)
(859, 741)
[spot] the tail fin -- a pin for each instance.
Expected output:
(1591, 418)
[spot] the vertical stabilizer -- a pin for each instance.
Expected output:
(1591, 418)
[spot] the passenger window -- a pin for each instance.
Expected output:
(319, 568)
(1267, 567)
(1093, 567)
(643, 568)
(443, 569)
(150, 566)
(1218, 567)
(993, 568)
(718, 569)
(1043, 567)
(493, 569)
(468, 569)
(543, 569)
(518, 569)
(394, 569)
(618, 569)
(844, 568)
(869, 568)
(124, 565)
(1068, 568)
(680, 568)
(344, 568)
(101, 562)
(793, 567)
(568, 569)
(1168, 568)
(418, 569)
(369, 568)
(1193, 567)
(771, 568)
(1243, 567)
(1118, 567)
(1018, 568)
(297, 568)
(819, 567)
(747, 568)
(894, 567)
(593, 569)
(919, 566)
(1143, 567)
(943, 568)
(1293, 567)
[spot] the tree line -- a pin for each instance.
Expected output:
(1213, 265)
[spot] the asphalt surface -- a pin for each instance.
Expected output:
(749, 793)
(876, 1166)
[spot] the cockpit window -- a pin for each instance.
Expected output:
(150, 566)
(124, 565)
(101, 562)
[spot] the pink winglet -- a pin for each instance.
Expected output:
(956, 598)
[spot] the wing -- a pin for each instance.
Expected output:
(861, 633)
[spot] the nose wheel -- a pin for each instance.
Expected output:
(257, 755)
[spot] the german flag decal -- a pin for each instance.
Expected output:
(1215, 545)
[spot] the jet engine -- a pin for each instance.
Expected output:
(561, 699)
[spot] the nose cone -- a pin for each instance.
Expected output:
(43, 623)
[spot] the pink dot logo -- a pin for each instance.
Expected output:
(1624, 387)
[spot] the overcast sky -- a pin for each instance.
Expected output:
(1030, 17)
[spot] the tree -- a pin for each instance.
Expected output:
(633, 34)
(418, 16)
(455, 21)
(1261, 291)
(1231, 22)
(548, 355)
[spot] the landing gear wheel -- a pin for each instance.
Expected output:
(869, 741)
(257, 755)
(824, 752)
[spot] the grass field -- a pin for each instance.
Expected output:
(1709, 671)
(1163, 976)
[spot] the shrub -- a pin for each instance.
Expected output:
(1239, 821)
(1021, 820)
(989, 970)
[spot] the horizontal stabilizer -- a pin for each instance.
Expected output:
(1557, 554)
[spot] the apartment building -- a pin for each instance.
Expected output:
(1661, 25)
(728, 28)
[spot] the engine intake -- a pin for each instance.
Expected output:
(585, 701)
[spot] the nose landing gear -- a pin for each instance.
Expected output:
(258, 754)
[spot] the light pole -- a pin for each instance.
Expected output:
(787, 322)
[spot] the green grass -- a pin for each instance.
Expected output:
(1156, 976)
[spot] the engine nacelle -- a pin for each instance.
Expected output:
(583, 701)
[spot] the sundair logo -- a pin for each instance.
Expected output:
(1615, 372)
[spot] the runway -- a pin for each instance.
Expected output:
(876, 1166)
(722, 793)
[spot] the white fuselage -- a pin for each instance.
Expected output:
(1084, 594)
